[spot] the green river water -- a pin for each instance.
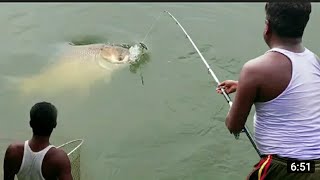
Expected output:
(170, 128)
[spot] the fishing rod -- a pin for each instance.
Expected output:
(226, 96)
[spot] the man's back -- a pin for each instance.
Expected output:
(34, 162)
(287, 105)
(31, 165)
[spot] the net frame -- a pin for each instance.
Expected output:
(74, 156)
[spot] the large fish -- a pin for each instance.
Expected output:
(79, 67)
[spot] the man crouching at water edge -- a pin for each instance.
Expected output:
(37, 159)
(284, 86)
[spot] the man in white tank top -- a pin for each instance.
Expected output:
(37, 159)
(284, 86)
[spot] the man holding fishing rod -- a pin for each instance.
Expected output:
(284, 86)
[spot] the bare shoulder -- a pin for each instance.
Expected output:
(253, 67)
(269, 63)
(268, 59)
(13, 158)
(262, 65)
(59, 164)
(14, 150)
(256, 63)
(58, 159)
(58, 156)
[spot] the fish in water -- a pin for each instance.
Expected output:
(79, 67)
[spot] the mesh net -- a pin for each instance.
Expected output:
(72, 148)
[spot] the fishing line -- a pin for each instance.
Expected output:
(226, 96)
(144, 39)
(152, 26)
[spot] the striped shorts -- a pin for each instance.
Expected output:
(273, 167)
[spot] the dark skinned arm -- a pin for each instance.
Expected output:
(244, 98)
(64, 166)
(9, 163)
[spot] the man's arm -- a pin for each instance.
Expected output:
(10, 163)
(244, 99)
(64, 166)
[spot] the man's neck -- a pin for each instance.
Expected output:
(290, 44)
(40, 140)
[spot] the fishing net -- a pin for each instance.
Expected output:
(72, 148)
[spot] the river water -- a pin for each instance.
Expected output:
(170, 127)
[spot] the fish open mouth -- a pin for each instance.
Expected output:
(135, 54)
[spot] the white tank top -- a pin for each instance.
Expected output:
(30, 168)
(289, 125)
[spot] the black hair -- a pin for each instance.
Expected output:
(288, 19)
(43, 118)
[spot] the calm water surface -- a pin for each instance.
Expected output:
(170, 128)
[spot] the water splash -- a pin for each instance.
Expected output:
(135, 52)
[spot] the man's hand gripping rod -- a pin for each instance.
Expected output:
(226, 96)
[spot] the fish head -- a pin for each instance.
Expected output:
(115, 55)
(121, 54)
